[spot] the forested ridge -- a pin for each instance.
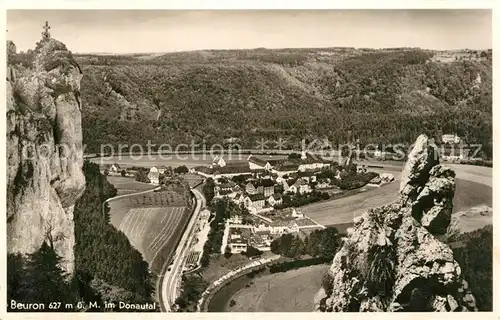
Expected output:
(378, 96)
(105, 261)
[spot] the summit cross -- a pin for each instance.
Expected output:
(45, 33)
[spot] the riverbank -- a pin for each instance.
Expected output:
(291, 291)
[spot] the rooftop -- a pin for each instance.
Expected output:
(238, 241)
(300, 182)
(257, 197)
(257, 161)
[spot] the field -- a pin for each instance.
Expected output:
(153, 222)
(189, 160)
(468, 194)
(126, 185)
(291, 291)
(473, 218)
(193, 179)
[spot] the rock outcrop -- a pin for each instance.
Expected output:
(44, 149)
(393, 259)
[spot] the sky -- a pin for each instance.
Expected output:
(141, 31)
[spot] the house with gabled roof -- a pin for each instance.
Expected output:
(219, 161)
(300, 186)
(275, 199)
(285, 168)
(238, 198)
(255, 201)
(256, 163)
(309, 161)
(114, 168)
(250, 188)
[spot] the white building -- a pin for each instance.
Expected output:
(236, 219)
(300, 186)
(114, 168)
(238, 246)
(450, 138)
(256, 201)
(258, 164)
(311, 162)
(283, 227)
(275, 199)
(219, 161)
(154, 175)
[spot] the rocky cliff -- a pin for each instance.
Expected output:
(44, 149)
(393, 259)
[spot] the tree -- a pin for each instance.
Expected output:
(141, 176)
(181, 170)
(476, 262)
(123, 173)
(192, 288)
(208, 189)
(252, 252)
(223, 180)
(103, 252)
(44, 280)
(294, 156)
(227, 252)
(15, 275)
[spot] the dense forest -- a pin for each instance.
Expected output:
(476, 261)
(39, 278)
(105, 261)
(376, 96)
(107, 267)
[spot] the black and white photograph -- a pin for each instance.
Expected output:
(333, 160)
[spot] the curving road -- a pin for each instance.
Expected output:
(171, 273)
(127, 195)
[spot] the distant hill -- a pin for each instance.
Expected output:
(378, 96)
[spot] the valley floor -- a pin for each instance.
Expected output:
(291, 291)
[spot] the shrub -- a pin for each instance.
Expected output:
(476, 261)
(378, 270)
(327, 283)
(181, 170)
(252, 252)
(142, 176)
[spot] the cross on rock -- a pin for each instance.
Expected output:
(45, 33)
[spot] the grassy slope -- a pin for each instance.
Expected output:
(127, 185)
(290, 93)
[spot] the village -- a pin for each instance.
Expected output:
(270, 193)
